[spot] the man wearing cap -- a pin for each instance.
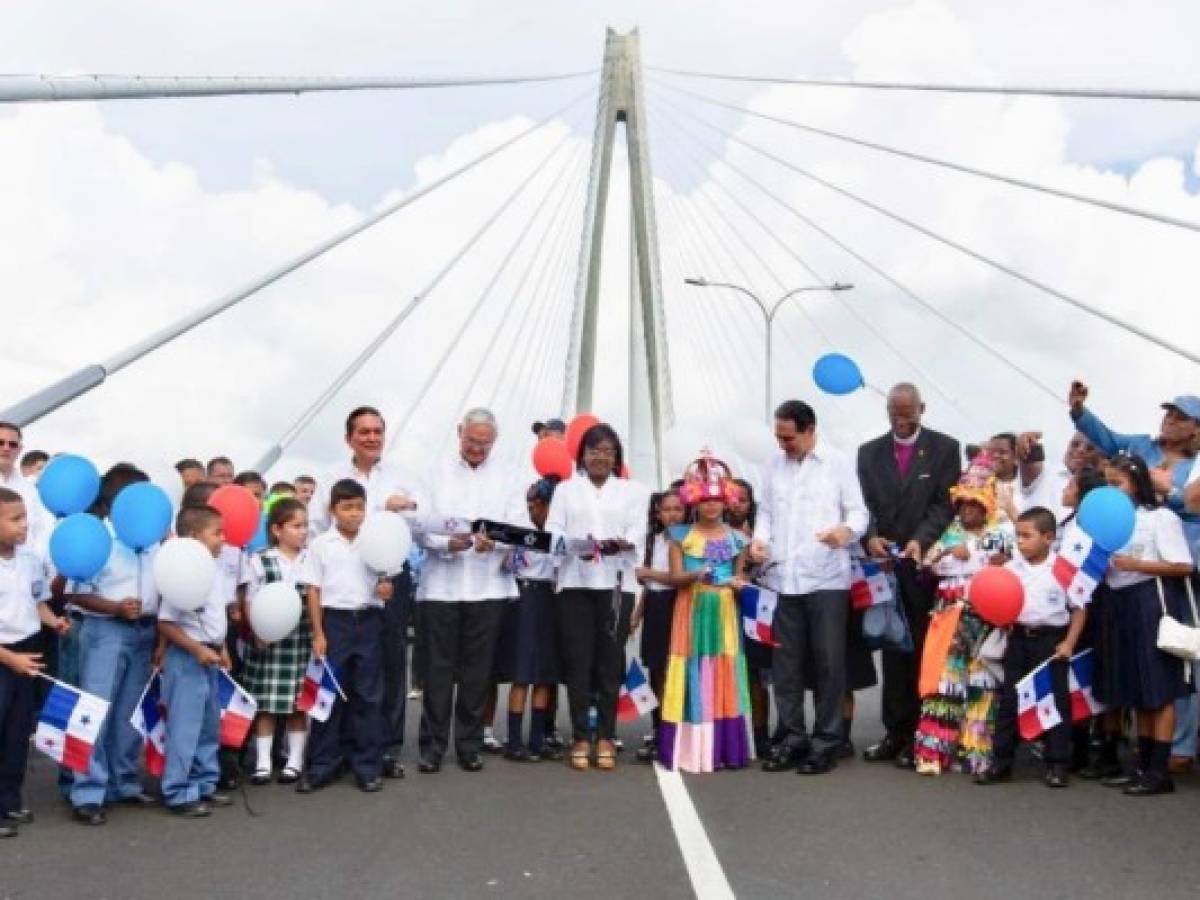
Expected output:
(549, 428)
(1171, 457)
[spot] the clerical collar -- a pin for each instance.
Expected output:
(909, 441)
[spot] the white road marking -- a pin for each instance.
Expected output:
(703, 868)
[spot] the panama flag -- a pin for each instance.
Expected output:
(868, 583)
(237, 711)
(636, 698)
(1036, 709)
(758, 613)
(1080, 564)
(319, 691)
(69, 726)
(1084, 704)
(149, 719)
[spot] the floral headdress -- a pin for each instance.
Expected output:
(708, 478)
(978, 484)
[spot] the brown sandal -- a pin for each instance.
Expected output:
(606, 759)
(580, 758)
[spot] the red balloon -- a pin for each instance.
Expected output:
(997, 595)
(550, 457)
(624, 473)
(239, 512)
(576, 429)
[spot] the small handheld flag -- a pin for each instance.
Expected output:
(150, 721)
(1080, 564)
(69, 726)
(237, 711)
(758, 613)
(868, 583)
(1036, 710)
(636, 698)
(1084, 704)
(319, 691)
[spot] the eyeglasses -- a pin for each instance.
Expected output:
(10, 444)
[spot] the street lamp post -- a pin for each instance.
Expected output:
(768, 315)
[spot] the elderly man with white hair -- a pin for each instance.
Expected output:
(464, 587)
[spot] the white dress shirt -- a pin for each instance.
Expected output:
(459, 490)
(1157, 536)
(660, 561)
(535, 566)
(210, 622)
(381, 482)
(254, 576)
(615, 510)
(1046, 603)
(800, 500)
(123, 577)
(1046, 491)
(41, 521)
(24, 582)
(333, 565)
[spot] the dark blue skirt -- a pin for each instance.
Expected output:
(1130, 669)
(657, 615)
(527, 649)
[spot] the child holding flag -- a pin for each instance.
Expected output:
(1143, 583)
(195, 656)
(1046, 631)
(23, 611)
(274, 673)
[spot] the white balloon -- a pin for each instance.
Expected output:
(274, 611)
(753, 441)
(384, 541)
(184, 572)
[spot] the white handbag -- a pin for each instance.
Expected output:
(1174, 637)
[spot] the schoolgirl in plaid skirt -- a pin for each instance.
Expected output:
(274, 672)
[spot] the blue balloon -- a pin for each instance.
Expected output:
(141, 515)
(259, 540)
(837, 374)
(68, 485)
(1107, 516)
(80, 546)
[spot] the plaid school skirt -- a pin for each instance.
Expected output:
(274, 674)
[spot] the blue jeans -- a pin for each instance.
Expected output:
(114, 663)
(189, 691)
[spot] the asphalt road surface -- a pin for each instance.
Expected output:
(540, 830)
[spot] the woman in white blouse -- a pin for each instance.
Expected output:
(596, 589)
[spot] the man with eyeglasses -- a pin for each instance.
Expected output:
(1042, 483)
(40, 520)
(464, 587)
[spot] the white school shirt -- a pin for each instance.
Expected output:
(334, 565)
(381, 482)
(1046, 491)
(254, 575)
(660, 561)
(535, 566)
(41, 521)
(615, 510)
(1046, 603)
(210, 622)
(459, 490)
(123, 576)
(800, 500)
(24, 582)
(1157, 536)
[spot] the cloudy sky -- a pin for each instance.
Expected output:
(120, 217)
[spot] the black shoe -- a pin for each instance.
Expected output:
(783, 759)
(905, 758)
(1101, 768)
(472, 763)
(817, 763)
(1121, 779)
(844, 750)
(228, 782)
(553, 754)
(489, 744)
(1056, 776)
(139, 799)
(887, 749)
(429, 766)
(306, 785)
(516, 754)
(1149, 785)
(196, 810)
(8, 831)
(648, 753)
(392, 767)
(369, 785)
(994, 775)
(217, 800)
(90, 814)
(288, 775)
(20, 817)
(260, 777)
(555, 741)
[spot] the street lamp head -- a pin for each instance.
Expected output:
(839, 286)
(696, 280)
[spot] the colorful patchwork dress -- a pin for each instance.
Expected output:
(706, 721)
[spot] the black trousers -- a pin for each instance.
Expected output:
(17, 714)
(397, 613)
(592, 629)
(1027, 649)
(900, 703)
(356, 652)
(461, 644)
(811, 631)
